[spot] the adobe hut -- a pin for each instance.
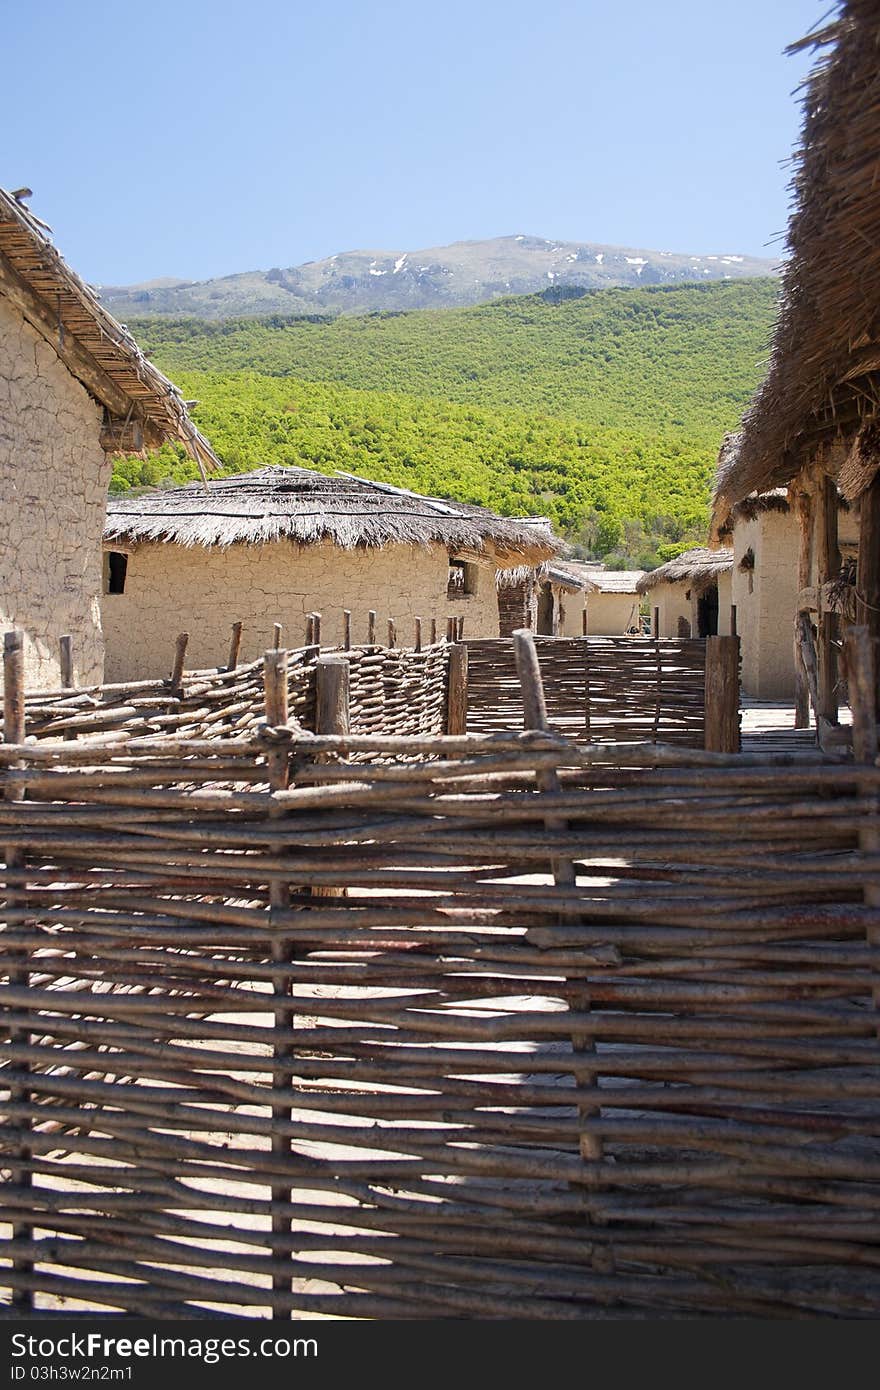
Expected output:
(814, 425)
(613, 601)
(764, 533)
(560, 605)
(76, 389)
(279, 543)
(690, 596)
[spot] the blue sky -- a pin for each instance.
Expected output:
(196, 139)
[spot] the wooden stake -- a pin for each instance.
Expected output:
(234, 647)
(584, 623)
(392, 633)
(457, 692)
(371, 628)
(275, 694)
(805, 573)
(277, 638)
(722, 695)
(18, 974)
(179, 659)
(346, 629)
(316, 629)
(827, 567)
(433, 632)
(535, 717)
(65, 644)
(450, 629)
(332, 695)
(418, 637)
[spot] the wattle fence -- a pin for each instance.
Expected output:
(438, 1027)
(613, 689)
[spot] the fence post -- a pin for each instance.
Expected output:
(234, 647)
(371, 628)
(65, 645)
(332, 716)
(179, 659)
(563, 870)
(18, 973)
(392, 634)
(418, 637)
(722, 695)
(457, 691)
(433, 632)
(276, 703)
(346, 629)
(860, 655)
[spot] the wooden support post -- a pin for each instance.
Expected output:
(868, 572)
(346, 629)
(14, 729)
(457, 690)
(733, 631)
(805, 575)
(450, 629)
(563, 870)
(722, 695)
(827, 567)
(861, 652)
(179, 660)
(234, 647)
(459, 628)
(584, 622)
(656, 622)
(332, 705)
(371, 628)
(316, 630)
(276, 703)
(65, 645)
(392, 634)
(310, 630)
(276, 641)
(418, 636)
(433, 632)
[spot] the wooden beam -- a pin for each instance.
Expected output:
(78, 361)
(827, 566)
(457, 692)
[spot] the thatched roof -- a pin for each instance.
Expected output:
(696, 566)
(302, 505)
(96, 349)
(823, 382)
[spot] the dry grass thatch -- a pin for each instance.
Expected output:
(696, 566)
(301, 505)
(94, 347)
(823, 381)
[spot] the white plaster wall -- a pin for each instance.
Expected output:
(571, 610)
(53, 481)
(203, 591)
(670, 599)
(611, 615)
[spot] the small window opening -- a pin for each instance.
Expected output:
(462, 579)
(115, 569)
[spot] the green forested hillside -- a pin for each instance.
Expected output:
(603, 412)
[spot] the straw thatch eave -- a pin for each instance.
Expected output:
(823, 382)
(305, 507)
(143, 407)
(698, 566)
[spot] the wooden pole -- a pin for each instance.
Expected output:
(563, 870)
(234, 647)
(179, 659)
(316, 630)
(392, 633)
(805, 573)
(310, 630)
(276, 643)
(459, 628)
(275, 693)
(371, 628)
(332, 695)
(14, 730)
(827, 566)
(450, 629)
(457, 690)
(860, 652)
(346, 629)
(433, 632)
(418, 637)
(868, 592)
(65, 644)
(722, 695)
(584, 621)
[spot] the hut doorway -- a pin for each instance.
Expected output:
(544, 625)
(707, 612)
